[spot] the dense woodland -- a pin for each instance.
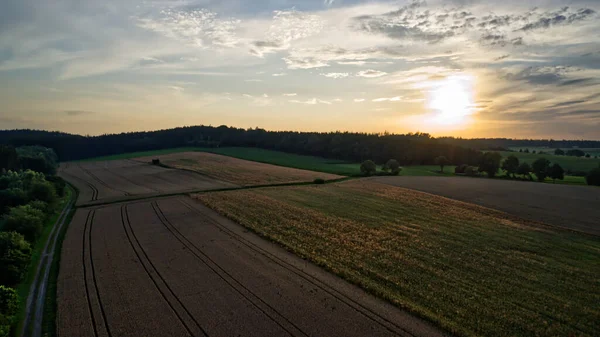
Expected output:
(29, 194)
(409, 149)
(507, 143)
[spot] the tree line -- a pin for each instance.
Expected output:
(29, 192)
(506, 143)
(407, 149)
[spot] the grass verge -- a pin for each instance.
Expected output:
(36, 254)
(471, 270)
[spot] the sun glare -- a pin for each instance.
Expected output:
(451, 100)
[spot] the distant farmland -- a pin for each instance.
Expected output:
(567, 162)
(473, 270)
(238, 171)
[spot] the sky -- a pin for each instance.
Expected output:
(522, 69)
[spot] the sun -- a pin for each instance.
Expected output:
(451, 100)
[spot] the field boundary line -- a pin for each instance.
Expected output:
(186, 193)
(158, 210)
(85, 281)
(125, 219)
(311, 279)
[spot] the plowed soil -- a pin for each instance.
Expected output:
(238, 171)
(171, 267)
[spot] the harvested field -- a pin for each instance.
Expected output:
(472, 270)
(121, 179)
(172, 267)
(238, 171)
(574, 207)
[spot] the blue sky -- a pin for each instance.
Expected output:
(465, 67)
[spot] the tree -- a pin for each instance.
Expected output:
(9, 305)
(368, 168)
(15, 254)
(442, 161)
(43, 191)
(559, 152)
(526, 151)
(9, 159)
(524, 169)
(510, 165)
(587, 155)
(541, 168)
(393, 166)
(575, 153)
(25, 220)
(556, 172)
(593, 177)
(490, 163)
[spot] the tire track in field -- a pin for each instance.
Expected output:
(88, 228)
(368, 313)
(91, 186)
(125, 219)
(191, 246)
(101, 181)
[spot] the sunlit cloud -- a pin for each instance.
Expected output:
(371, 73)
(335, 75)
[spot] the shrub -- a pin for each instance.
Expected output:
(368, 168)
(556, 172)
(9, 304)
(559, 152)
(541, 168)
(58, 183)
(593, 177)
(524, 169)
(490, 163)
(510, 165)
(394, 166)
(25, 220)
(15, 254)
(156, 161)
(43, 191)
(319, 181)
(460, 169)
(472, 171)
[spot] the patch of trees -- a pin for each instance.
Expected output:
(495, 144)
(26, 200)
(407, 149)
(593, 177)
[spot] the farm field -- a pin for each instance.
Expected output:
(568, 163)
(472, 270)
(103, 181)
(172, 267)
(574, 207)
(238, 171)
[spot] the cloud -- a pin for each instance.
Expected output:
(386, 99)
(290, 94)
(561, 17)
(306, 63)
(335, 75)
(371, 73)
(359, 100)
(253, 80)
(313, 101)
(78, 112)
(279, 74)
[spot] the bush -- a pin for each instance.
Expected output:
(25, 220)
(490, 163)
(460, 169)
(58, 183)
(9, 304)
(510, 165)
(368, 168)
(593, 177)
(556, 172)
(156, 161)
(541, 168)
(393, 166)
(524, 169)
(15, 254)
(319, 181)
(471, 171)
(43, 191)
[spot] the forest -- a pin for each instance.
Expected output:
(408, 149)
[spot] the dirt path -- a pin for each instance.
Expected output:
(573, 207)
(171, 266)
(37, 291)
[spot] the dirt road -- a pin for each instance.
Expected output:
(173, 267)
(574, 207)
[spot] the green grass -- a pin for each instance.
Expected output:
(36, 254)
(567, 162)
(471, 270)
(50, 304)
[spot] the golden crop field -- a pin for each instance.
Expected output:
(472, 270)
(238, 171)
